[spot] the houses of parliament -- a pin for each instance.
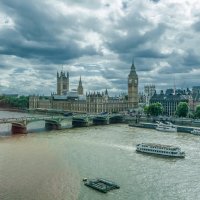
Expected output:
(95, 102)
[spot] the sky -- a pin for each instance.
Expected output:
(97, 40)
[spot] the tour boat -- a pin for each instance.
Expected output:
(168, 127)
(159, 149)
(195, 131)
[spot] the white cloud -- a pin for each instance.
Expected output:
(97, 40)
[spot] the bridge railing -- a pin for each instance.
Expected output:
(29, 119)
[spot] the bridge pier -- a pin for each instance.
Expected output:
(18, 128)
(116, 119)
(80, 121)
(52, 125)
(101, 120)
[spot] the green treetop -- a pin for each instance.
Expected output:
(182, 109)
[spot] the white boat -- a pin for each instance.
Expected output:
(168, 127)
(195, 131)
(164, 150)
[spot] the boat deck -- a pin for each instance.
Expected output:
(101, 185)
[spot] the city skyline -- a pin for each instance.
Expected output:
(97, 41)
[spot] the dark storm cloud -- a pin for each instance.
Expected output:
(196, 26)
(97, 40)
(191, 58)
(52, 54)
(36, 34)
(133, 41)
(150, 53)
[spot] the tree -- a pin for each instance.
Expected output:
(146, 110)
(182, 109)
(154, 109)
(197, 112)
(17, 102)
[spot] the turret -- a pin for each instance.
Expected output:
(62, 83)
(80, 87)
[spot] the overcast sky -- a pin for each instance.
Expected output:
(97, 39)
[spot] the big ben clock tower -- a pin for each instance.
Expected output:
(133, 87)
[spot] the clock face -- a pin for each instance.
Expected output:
(130, 80)
(135, 82)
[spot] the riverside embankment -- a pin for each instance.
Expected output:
(183, 124)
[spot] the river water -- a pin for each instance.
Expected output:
(51, 165)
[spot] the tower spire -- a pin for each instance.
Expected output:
(133, 66)
(80, 87)
(80, 82)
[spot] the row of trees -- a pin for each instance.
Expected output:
(156, 109)
(21, 102)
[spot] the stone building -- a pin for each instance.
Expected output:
(169, 100)
(195, 97)
(96, 102)
(62, 83)
(149, 91)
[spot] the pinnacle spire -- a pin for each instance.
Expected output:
(80, 81)
(133, 60)
(133, 66)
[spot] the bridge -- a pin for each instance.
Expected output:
(87, 120)
(19, 125)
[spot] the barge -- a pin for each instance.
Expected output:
(100, 184)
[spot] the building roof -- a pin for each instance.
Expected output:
(170, 97)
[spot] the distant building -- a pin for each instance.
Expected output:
(170, 101)
(149, 91)
(94, 102)
(196, 93)
(195, 97)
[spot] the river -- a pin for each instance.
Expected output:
(51, 165)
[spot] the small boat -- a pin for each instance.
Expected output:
(100, 184)
(195, 131)
(159, 149)
(167, 127)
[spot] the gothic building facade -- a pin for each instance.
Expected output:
(94, 102)
(62, 83)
